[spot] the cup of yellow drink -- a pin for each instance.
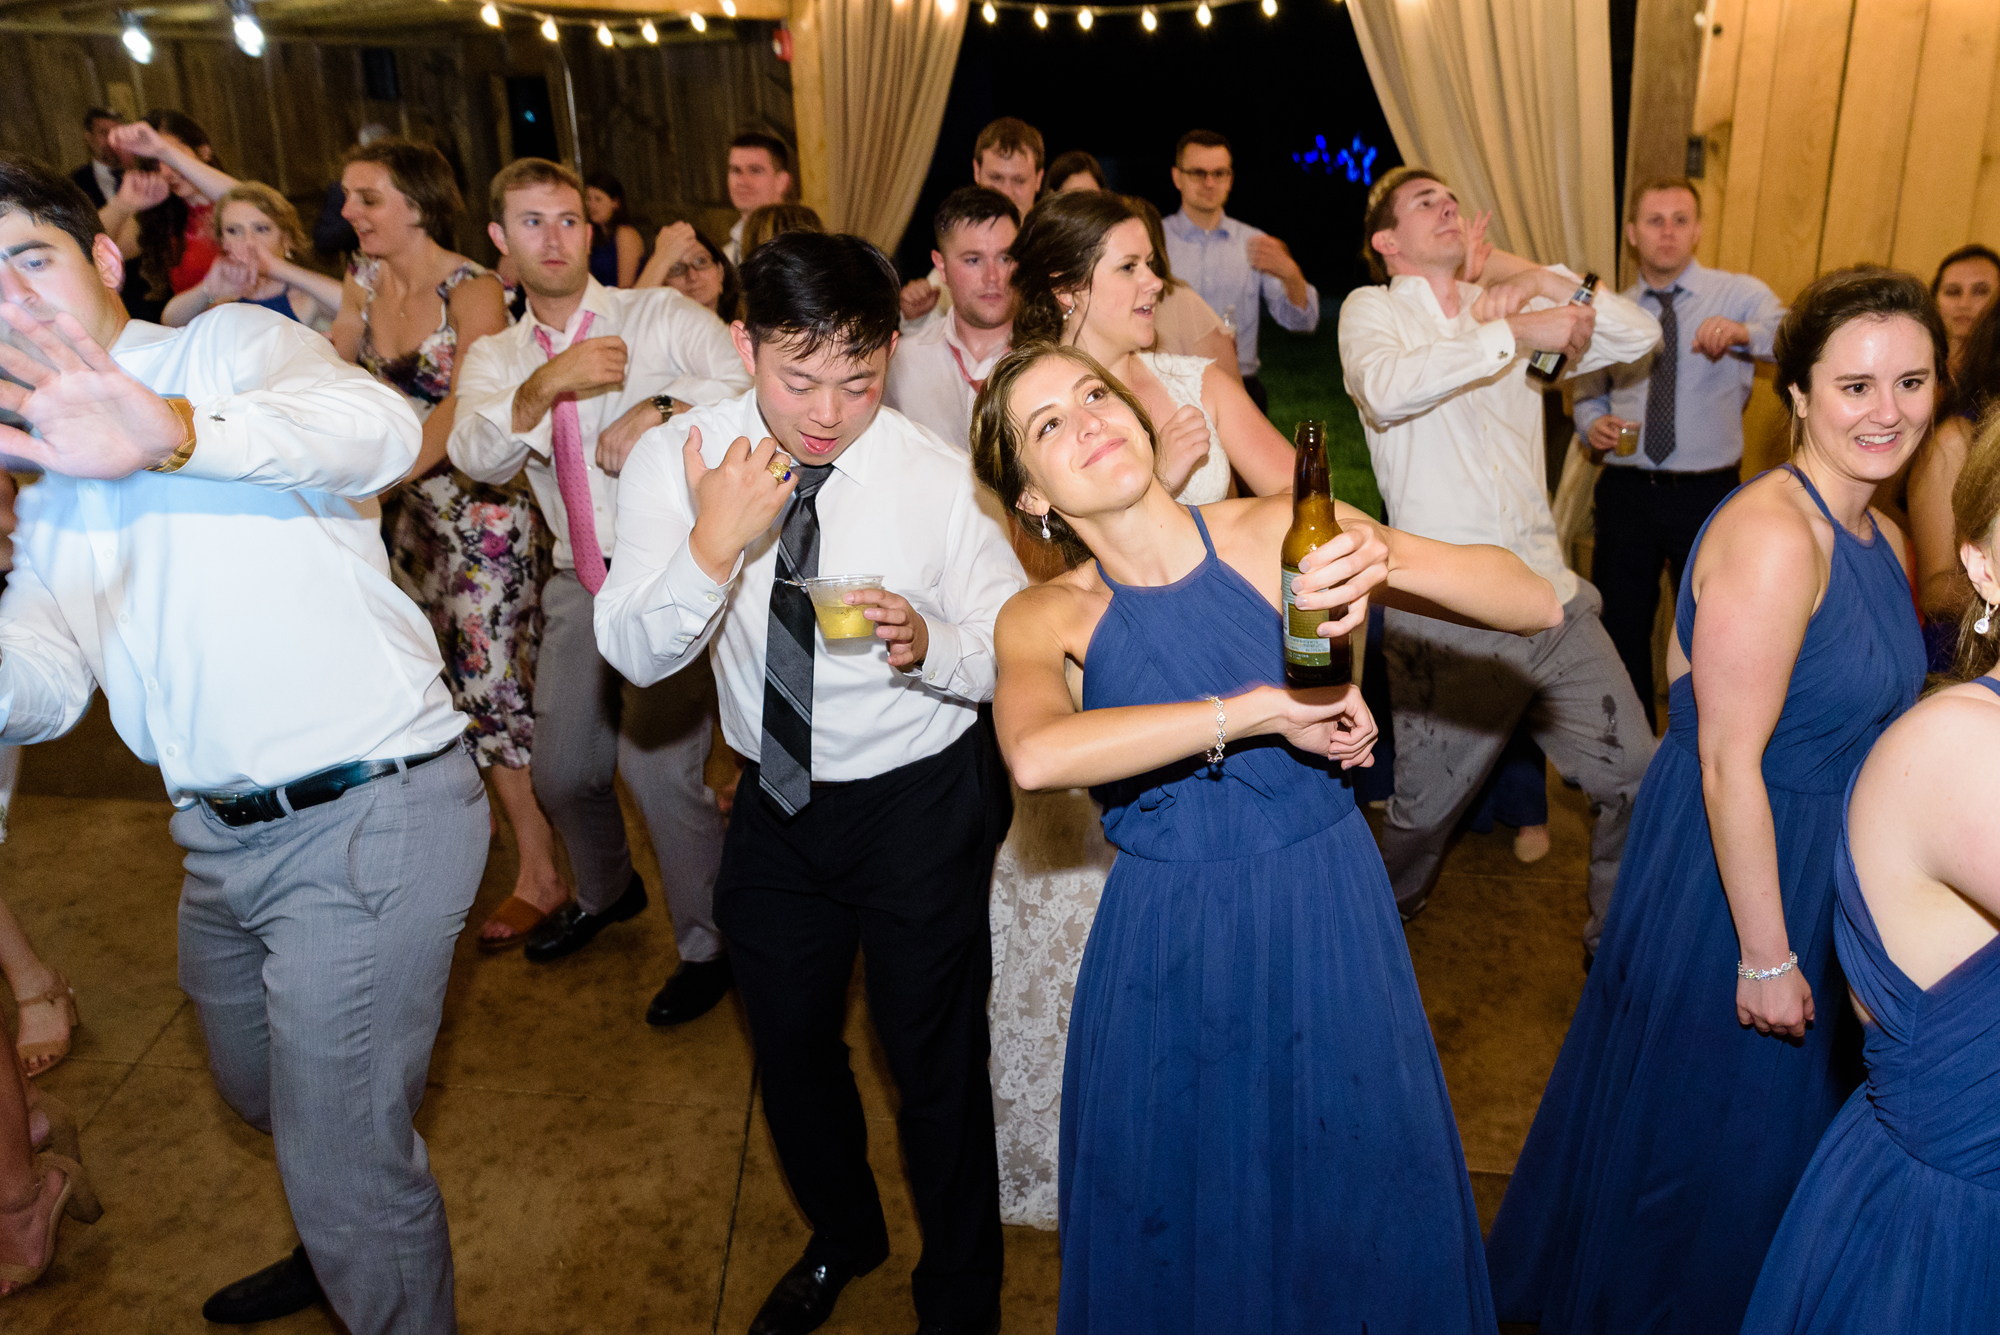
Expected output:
(838, 620)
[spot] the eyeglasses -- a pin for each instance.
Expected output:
(1203, 175)
(699, 264)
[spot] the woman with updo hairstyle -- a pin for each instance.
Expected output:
(1250, 1079)
(1088, 276)
(260, 234)
(1895, 1225)
(1711, 1048)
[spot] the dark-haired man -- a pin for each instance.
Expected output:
(875, 801)
(760, 173)
(99, 177)
(1007, 157)
(1686, 401)
(1438, 369)
(941, 364)
(565, 392)
(196, 552)
(1238, 269)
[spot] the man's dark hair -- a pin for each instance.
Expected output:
(96, 114)
(48, 197)
(815, 289)
(781, 155)
(972, 206)
(1660, 183)
(1007, 136)
(1381, 214)
(1205, 139)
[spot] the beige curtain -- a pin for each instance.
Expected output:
(887, 66)
(1510, 101)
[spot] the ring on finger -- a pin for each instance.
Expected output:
(780, 467)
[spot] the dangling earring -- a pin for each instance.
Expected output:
(1979, 627)
(1047, 538)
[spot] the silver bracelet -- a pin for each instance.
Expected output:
(1221, 730)
(1766, 975)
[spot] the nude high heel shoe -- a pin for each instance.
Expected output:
(61, 1137)
(40, 1058)
(76, 1199)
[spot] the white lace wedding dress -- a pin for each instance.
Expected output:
(1046, 883)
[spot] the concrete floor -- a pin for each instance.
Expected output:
(601, 1176)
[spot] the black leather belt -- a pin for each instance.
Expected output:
(1666, 477)
(312, 791)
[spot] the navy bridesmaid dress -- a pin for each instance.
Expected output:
(1255, 1131)
(1670, 1137)
(1895, 1229)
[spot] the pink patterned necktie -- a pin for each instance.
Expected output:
(572, 476)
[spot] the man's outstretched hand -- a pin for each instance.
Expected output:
(95, 420)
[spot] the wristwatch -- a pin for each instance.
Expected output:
(666, 404)
(174, 462)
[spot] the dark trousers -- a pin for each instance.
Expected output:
(1645, 521)
(1258, 395)
(899, 866)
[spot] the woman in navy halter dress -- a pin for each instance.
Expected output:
(1671, 1135)
(1895, 1228)
(1256, 1136)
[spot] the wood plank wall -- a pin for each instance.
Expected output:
(1841, 132)
(658, 118)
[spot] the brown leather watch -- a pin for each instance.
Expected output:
(174, 462)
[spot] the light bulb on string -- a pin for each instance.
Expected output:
(137, 44)
(1041, 17)
(650, 33)
(989, 13)
(489, 15)
(947, 7)
(549, 27)
(1147, 21)
(698, 23)
(1270, 8)
(1201, 15)
(604, 34)
(1083, 19)
(248, 32)
(729, 8)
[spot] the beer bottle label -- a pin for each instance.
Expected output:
(1303, 643)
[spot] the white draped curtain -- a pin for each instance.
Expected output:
(1509, 101)
(887, 66)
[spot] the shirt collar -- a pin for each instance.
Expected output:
(1189, 228)
(1417, 289)
(596, 300)
(855, 462)
(951, 337)
(1689, 282)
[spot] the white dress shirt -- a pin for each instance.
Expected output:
(673, 346)
(930, 386)
(107, 179)
(1216, 263)
(1454, 427)
(901, 504)
(238, 613)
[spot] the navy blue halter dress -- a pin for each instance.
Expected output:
(1256, 1136)
(1895, 1228)
(1670, 1137)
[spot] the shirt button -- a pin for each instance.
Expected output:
(124, 618)
(173, 751)
(152, 683)
(712, 598)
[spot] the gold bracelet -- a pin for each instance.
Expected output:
(174, 462)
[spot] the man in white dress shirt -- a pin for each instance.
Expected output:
(940, 364)
(1007, 157)
(572, 386)
(1438, 368)
(196, 552)
(872, 812)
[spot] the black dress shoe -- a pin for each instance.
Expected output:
(275, 1291)
(569, 929)
(804, 1298)
(989, 1326)
(692, 992)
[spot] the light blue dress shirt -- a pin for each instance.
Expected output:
(1217, 265)
(1708, 395)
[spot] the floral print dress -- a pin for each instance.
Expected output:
(473, 556)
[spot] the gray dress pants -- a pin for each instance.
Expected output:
(592, 725)
(1457, 694)
(316, 949)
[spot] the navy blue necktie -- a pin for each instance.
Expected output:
(1660, 385)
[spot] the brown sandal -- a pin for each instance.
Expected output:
(77, 1199)
(519, 917)
(39, 1058)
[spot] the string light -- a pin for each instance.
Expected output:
(1083, 19)
(650, 33)
(549, 27)
(1201, 15)
(1147, 21)
(1270, 8)
(989, 13)
(249, 33)
(698, 23)
(947, 7)
(729, 8)
(604, 34)
(1041, 17)
(140, 47)
(489, 15)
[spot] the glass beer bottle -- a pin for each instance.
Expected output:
(1311, 659)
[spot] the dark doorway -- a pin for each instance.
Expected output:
(531, 121)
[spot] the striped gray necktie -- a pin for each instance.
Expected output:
(784, 760)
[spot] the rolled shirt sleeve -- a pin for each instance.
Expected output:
(1299, 319)
(981, 573)
(1762, 313)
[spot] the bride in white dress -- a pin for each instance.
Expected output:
(1083, 268)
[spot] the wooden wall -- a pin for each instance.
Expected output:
(1843, 131)
(657, 117)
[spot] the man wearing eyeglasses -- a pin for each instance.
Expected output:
(1235, 267)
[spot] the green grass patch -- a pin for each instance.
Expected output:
(1301, 372)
